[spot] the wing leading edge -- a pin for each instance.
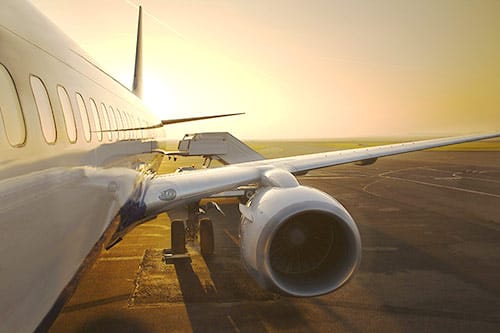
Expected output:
(168, 191)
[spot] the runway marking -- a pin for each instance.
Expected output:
(325, 177)
(443, 186)
(449, 178)
(380, 249)
(153, 235)
(483, 180)
(414, 311)
(389, 209)
(231, 237)
(231, 321)
(384, 175)
(154, 226)
(365, 188)
(120, 258)
(460, 175)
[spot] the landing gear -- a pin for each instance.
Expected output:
(192, 222)
(206, 237)
(196, 228)
(178, 237)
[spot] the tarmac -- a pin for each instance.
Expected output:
(430, 227)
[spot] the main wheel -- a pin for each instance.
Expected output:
(207, 243)
(178, 237)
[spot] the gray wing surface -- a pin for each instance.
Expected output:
(303, 163)
(179, 188)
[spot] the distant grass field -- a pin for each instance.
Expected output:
(274, 149)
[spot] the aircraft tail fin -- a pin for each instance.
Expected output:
(137, 85)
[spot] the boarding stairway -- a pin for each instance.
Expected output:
(220, 146)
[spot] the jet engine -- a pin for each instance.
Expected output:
(298, 241)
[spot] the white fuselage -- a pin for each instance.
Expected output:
(62, 180)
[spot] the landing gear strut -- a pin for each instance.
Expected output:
(192, 222)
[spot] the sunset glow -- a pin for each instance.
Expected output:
(322, 69)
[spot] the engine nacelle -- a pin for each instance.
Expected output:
(298, 241)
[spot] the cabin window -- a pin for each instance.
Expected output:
(10, 110)
(130, 125)
(135, 125)
(149, 131)
(112, 121)
(140, 132)
(96, 119)
(44, 109)
(118, 117)
(84, 116)
(126, 124)
(105, 121)
(126, 134)
(119, 120)
(69, 117)
(144, 132)
(125, 120)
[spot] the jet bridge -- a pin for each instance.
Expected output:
(220, 146)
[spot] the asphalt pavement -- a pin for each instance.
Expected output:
(430, 226)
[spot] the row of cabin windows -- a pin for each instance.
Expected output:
(105, 123)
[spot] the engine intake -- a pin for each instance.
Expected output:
(299, 241)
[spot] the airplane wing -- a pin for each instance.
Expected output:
(298, 164)
(168, 191)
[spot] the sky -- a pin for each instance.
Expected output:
(303, 69)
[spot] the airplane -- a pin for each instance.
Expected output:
(78, 170)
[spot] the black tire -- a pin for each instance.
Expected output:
(207, 243)
(178, 237)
